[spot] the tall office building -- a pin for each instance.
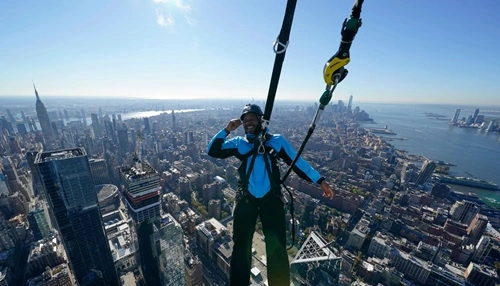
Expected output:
(349, 104)
(14, 146)
(99, 171)
(95, 125)
(173, 120)
(408, 173)
(72, 200)
(43, 118)
(84, 116)
(479, 119)
(340, 106)
(464, 211)
(23, 116)
(21, 128)
(11, 117)
(36, 181)
(188, 137)
(490, 126)
(170, 250)
(194, 270)
(483, 249)
(426, 172)
(456, 116)
(474, 117)
(478, 274)
(39, 222)
(6, 127)
(123, 143)
(9, 169)
(142, 193)
(66, 115)
(477, 227)
(147, 125)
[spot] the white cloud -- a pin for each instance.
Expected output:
(173, 7)
(162, 21)
(190, 20)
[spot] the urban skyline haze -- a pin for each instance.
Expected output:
(405, 52)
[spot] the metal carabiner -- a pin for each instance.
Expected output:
(262, 149)
(277, 44)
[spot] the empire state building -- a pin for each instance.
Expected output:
(43, 118)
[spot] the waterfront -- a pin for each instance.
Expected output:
(474, 152)
(145, 114)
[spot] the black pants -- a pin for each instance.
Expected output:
(272, 215)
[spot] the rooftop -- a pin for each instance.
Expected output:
(105, 191)
(60, 155)
(135, 174)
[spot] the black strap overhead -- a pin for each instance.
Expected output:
(280, 46)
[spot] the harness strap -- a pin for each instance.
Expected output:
(275, 182)
(250, 168)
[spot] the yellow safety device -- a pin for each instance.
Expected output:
(332, 66)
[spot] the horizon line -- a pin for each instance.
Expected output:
(102, 97)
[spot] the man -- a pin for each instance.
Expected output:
(259, 194)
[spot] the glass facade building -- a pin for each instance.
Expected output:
(69, 190)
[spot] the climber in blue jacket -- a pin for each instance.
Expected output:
(259, 193)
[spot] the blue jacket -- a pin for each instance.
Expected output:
(259, 184)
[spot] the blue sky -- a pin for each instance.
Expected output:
(423, 51)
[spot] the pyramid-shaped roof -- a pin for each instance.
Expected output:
(314, 249)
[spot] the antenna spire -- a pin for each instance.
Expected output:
(36, 92)
(138, 151)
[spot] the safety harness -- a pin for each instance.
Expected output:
(272, 169)
(333, 73)
(271, 158)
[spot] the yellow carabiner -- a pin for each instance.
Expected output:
(332, 66)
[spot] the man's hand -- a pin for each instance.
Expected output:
(233, 125)
(327, 190)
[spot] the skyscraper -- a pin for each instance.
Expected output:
(82, 112)
(456, 116)
(99, 171)
(147, 126)
(426, 172)
(464, 211)
(483, 248)
(476, 112)
(38, 220)
(408, 173)
(142, 190)
(43, 118)
(168, 238)
(142, 193)
(95, 125)
(173, 120)
(11, 117)
(21, 128)
(70, 193)
(123, 143)
(6, 126)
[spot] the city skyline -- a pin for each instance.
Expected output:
(406, 51)
(144, 182)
